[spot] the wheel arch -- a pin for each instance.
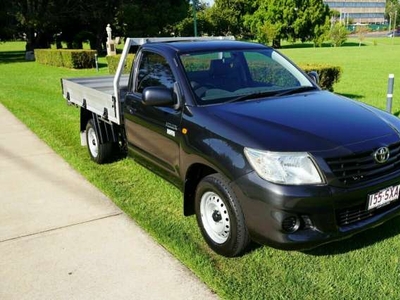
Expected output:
(107, 132)
(194, 175)
(85, 117)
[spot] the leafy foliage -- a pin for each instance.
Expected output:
(7, 23)
(228, 16)
(338, 34)
(393, 12)
(72, 59)
(203, 20)
(328, 74)
(361, 32)
(151, 17)
(274, 20)
(113, 62)
(223, 18)
(76, 21)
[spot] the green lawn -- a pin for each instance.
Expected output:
(365, 69)
(364, 267)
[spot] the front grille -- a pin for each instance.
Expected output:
(361, 167)
(358, 213)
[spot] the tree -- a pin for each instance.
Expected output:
(204, 23)
(95, 15)
(76, 21)
(312, 21)
(275, 20)
(151, 17)
(321, 34)
(392, 13)
(338, 34)
(361, 31)
(42, 21)
(7, 21)
(227, 16)
(36, 20)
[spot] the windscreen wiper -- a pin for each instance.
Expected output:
(273, 93)
(253, 96)
(300, 89)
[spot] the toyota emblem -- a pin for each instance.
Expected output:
(382, 155)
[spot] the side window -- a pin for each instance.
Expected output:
(154, 70)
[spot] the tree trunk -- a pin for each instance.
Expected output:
(276, 43)
(100, 45)
(36, 40)
(30, 40)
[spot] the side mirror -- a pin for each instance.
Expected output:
(314, 76)
(157, 96)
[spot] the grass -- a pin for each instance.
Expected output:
(365, 69)
(366, 266)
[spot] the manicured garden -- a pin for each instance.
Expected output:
(366, 266)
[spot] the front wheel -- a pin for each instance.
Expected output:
(220, 216)
(99, 153)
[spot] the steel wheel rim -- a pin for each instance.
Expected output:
(93, 142)
(215, 217)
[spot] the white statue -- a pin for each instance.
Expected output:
(109, 30)
(110, 43)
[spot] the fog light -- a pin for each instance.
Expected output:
(291, 224)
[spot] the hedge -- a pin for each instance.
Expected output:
(113, 60)
(328, 75)
(73, 59)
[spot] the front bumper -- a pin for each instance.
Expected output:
(323, 213)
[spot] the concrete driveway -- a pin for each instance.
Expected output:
(60, 238)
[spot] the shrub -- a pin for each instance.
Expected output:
(361, 33)
(113, 60)
(73, 59)
(328, 75)
(338, 34)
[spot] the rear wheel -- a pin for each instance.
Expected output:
(98, 152)
(220, 216)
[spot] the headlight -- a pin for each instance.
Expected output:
(284, 167)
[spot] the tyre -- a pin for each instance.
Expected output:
(220, 217)
(98, 152)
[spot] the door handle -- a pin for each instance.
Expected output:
(131, 109)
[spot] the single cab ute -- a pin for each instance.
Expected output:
(259, 151)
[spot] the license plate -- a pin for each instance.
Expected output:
(384, 197)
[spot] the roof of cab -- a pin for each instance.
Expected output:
(200, 46)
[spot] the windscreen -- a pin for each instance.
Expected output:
(218, 77)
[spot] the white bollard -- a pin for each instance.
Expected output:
(390, 93)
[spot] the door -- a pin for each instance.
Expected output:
(153, 132)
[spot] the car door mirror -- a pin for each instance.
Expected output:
(157, 96)
(314, 76)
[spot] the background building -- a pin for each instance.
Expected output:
(359, 11)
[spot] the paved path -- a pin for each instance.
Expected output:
(60, 238)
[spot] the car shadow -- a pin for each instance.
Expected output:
(358, 241)
(361, 240)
